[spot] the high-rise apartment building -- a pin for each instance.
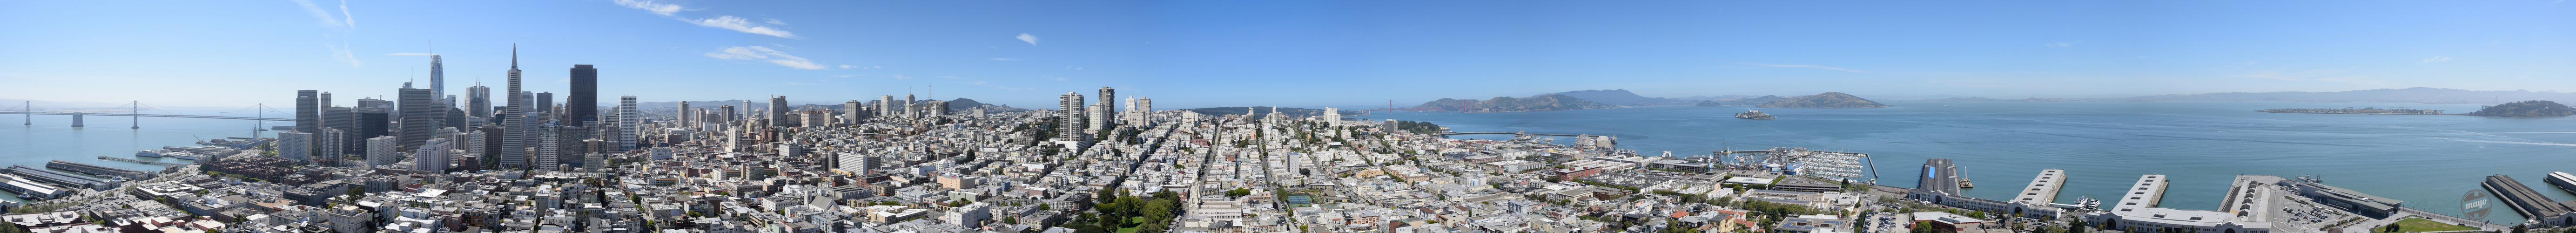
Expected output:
(289, 140)
(686, 119)
(583, 106)
(885, 106)
(627, 120)
(777, 111)
(851, 112)
(1140, 111)
(420, 118)
(1069, 117)
(331, 141)
(380, 150)
(434, 156)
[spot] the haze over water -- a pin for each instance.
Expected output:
(2426, 160)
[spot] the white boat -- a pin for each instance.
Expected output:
(183, 155)
(148, 154)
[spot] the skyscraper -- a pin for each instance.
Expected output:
(308, 120)
(627, 118)
(437, 77)
(885, 106)
(546, 104)
(1106, 113)
(777, 111)
(517, 134)
(583, 106)
(331, 141)
(478, 101)
(685, 117)
(420, 118)
(433, 156)
(346, 121)
(1143, 113)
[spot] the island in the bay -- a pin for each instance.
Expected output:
(1755, 114)
(2368, 110)
(1542, 102)
(2534, 108)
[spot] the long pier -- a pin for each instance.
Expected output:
(84, 168)
(138, 161)
(2522, 198)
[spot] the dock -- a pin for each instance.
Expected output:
(2523, 200)
(2149, 192)
(84, 168)
(1940, 176)
(59, 178)
(2043, 189)
(138, 161)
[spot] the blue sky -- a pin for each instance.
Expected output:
(1289, 53)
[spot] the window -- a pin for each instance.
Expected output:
(2140, 193)
(2142, 188)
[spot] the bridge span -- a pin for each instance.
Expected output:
(153, 115)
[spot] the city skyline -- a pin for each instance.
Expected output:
(1231, 54)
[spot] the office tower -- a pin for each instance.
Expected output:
(627, 120)
(911, 107)
(451, 134)
(546, 104)
(548, 149)
(437, 77)
(488, 150)
(380, 150)
(567, 144)
(434, 156)
(583, 106)
(369, 122)
(308, 111)
(1069, 119)
(518, 130)
(777, 110)
(746, 111)
(478, 101)
(936, 108)
(420, 117)
(290, 140)
(850, 112)
(885, 106)
(728, 113)
(346, 121)
(684, 117)
(593, 162)
(332, 139)
(455, 117)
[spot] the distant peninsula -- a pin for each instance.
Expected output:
(1826, 100)
(2535, 108)
(1542, 102)
(2369, 110)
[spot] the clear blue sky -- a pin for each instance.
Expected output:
(1291, 53)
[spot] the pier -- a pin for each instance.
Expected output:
(132, 160)
(2522, 198)
(97, 170)
(2149, 192)
(2043, 190)
(1939, 176)
(58, 178)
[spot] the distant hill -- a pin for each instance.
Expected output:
(1542, 102)
(2408, 95)
(964, 104)
(1622, 97)
(1826, 100)
(2535, 108)
(1747, 101)
(1264, 111)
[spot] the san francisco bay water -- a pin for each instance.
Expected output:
(2427, 160)
(51, 137)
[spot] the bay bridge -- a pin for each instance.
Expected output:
(135, 112)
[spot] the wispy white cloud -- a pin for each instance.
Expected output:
(765, 54)
(1006, 59)
(1799, 66)
(658, 8)
(2062, 44)
(1033, 40)
(341, 52)
(327, 20)
(2434, 59)
(738, 24)
(411, 54)
(742, 25)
